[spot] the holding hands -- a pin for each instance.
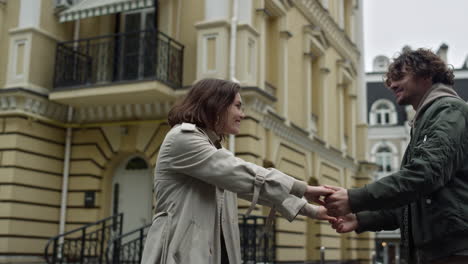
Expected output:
(334, 207)
(315, 194)
(338, 202)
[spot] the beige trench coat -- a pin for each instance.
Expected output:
(195, 189)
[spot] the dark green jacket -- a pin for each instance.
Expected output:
(430, 191)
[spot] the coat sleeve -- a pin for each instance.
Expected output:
(378, 220)
(435, 158)
(289, 208)
(192, 154)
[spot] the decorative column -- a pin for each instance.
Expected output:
(20, 61)
(248, 39)
(213, 40)
(324, 109)
(307, 66)
(283, 66)
(341, 118)
(261, 27)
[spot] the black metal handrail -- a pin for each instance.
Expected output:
(84, 244)
(129, 56)
(257, 243)
(257, 240)
(127, 248)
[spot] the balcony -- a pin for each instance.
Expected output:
(119, 58)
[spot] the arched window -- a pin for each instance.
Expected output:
(136, 163)
(382, 113)
(383, 157)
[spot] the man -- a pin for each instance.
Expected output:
(428, 197)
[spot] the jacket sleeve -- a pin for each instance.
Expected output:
(289, 208)
(437, 154)
(378, 220)
(192, 154)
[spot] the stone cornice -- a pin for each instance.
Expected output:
(212, 24)
(315, 13)
(17, 101)
(248, 28)
(122, 112)
(35, 30)
(276, 8)
(20, 101)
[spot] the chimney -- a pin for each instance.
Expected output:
(442, 52)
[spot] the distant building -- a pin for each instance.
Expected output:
(389, 134)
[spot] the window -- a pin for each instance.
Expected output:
(383, 158)
(383, 113)
(136, 163)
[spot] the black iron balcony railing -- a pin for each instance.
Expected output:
(86, 244)
(132, 56)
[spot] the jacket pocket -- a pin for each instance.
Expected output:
(156, 244)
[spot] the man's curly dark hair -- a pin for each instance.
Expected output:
(422, 63)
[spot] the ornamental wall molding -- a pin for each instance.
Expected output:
(18, 102)
(260, 102)
(34, 105)
(315, 13)
(121, 112)
(278, 127)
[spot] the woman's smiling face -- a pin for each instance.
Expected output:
(234, 116)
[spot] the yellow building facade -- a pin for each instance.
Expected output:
(85, 88)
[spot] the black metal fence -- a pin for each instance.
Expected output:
(103, 242)
(86, 244)
(131, 56)
(257, 240)
(127, 248)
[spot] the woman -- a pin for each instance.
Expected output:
(197, 182)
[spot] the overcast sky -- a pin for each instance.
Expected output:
(391, 24)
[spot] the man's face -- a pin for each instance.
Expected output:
(409, 89)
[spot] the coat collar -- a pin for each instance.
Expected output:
(436, 91)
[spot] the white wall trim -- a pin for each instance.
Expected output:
(35, 30)
(387, 132)
(30, 13)
(11, 103)
(216, 9)
(13, 77)
(246, 12)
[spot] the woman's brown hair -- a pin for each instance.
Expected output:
(205, 105)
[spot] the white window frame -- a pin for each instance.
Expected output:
(379, 117)
(385, 159)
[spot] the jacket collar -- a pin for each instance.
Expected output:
(436, 91)
(214, 138)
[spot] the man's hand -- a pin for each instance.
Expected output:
(345, 224)
(313, 193)
(337, 203)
